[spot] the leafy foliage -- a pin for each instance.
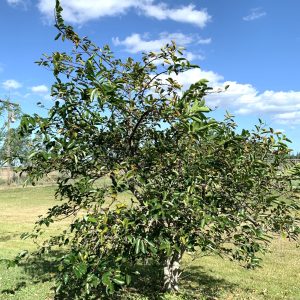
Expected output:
(20, 148)
(194, 183)
(10, 141)
(15, 113)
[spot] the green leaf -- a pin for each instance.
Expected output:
(143, 249)
(94, 94)
(106, 280)
(92, 219)
(137, 246)
(66, 278)
(202, 224)
(118, 281)
(128, 279)
(80, 270)
(57, 36)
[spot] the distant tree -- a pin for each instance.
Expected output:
(10, 113)
(2, 128)
(295, 155)
(194, 184)
(19, 147)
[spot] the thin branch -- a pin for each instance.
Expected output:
(143, 116)
(8, 102)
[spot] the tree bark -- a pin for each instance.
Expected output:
(172, 273)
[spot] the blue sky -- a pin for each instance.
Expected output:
(251, 45)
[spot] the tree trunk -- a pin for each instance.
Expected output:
(172, 273)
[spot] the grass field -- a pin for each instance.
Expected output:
(204, 278)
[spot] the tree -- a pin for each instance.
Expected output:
(15, 149)
(13, 111)
(19, 147)
(9, 140)
(195, 184)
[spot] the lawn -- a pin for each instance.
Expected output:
(204, 278)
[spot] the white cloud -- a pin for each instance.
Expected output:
(48, 97)
(204, 41)
(193, 75)
(81, 11)
(11, 84)
(256, 13)
(141, 43)
(184, 14)
(39, 89)
(193, 56)
(283, 107)
(280, 130)
(244, 99)
(16, 3)
(288, 117)
(27, 95)
(136, 43)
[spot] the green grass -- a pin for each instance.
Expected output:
(19, 208)
(205, 278)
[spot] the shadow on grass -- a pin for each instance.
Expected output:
(8, 236)
(41, 268)
(195, 282)
(17, 288)
(37, 270)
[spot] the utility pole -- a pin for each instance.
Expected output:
(10, 118)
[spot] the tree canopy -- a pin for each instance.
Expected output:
(10, 141)
(193, 183)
